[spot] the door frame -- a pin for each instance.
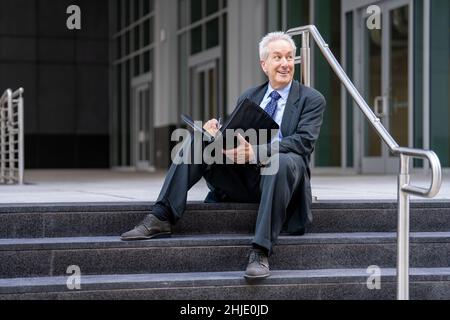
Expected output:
(139, 84)
(200, 62)
(384, 164)
(196, 71)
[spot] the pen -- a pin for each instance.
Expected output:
(219, 123)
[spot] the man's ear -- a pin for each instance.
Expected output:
(263, 66)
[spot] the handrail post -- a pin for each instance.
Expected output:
(2, 144)
(403, 231)
(10, 137)
(21, 126)
(12, 160)
(306, 60)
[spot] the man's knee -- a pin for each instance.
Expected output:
(290, 163)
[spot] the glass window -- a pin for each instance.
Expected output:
(297, 13)
(196, 40)
(127, 42)
(146, 61)
(137, 66)
(119, 47)
(137, 38)
(196, 10)
(440, 80)
(127, 114)
(117, 126)
(148, 32)
(212, 6)
(119, 22)
(399, 75)
(212, 33)
(152, 29)
(147, 7)
(328, 147)
(127, 12)
(136, 10)
(183, 75)
(198, 37)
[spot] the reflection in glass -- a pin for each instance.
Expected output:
(399, 75)
(373, 73)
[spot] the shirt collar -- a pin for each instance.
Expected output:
(284, 92)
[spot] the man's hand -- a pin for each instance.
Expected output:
(242, 154)
(212, 126)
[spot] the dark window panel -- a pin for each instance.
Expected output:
(212, 6)
(196, 40)
(196, 10)
(212, 33)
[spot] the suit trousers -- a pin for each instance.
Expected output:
(240, 183)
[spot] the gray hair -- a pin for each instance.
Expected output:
(271, 37)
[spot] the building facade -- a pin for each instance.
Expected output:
(136, 65)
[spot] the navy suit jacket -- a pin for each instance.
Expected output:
(300, 127)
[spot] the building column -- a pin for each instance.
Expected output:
(246, 26)
(165, 75)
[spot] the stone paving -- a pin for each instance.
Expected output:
(61, 186)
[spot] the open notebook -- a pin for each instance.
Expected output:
(247, 115)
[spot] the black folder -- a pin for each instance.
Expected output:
(247, 115)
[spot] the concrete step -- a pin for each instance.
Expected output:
(336, 284)
(112, 219)
(213, 253)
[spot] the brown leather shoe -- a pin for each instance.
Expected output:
(258, 265)
(150, 228)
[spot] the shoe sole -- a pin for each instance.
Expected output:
(161, 235)
(256, 277)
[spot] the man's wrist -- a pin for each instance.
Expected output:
(254, 157)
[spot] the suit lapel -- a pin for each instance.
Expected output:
(290, 108)
(259, 93)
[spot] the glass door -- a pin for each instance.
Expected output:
(142, 127)
(385, 67)
(205, 92)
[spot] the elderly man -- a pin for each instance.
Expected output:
(284, 197)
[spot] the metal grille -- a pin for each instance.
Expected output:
(11, 137)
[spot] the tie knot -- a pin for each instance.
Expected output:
(275, 95)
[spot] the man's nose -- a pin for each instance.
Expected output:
(284, 62)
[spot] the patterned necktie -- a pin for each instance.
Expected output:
(271, 107)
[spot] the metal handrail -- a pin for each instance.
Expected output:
(404, 188)
(11, 136)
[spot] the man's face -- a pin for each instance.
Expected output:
(279, 66)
